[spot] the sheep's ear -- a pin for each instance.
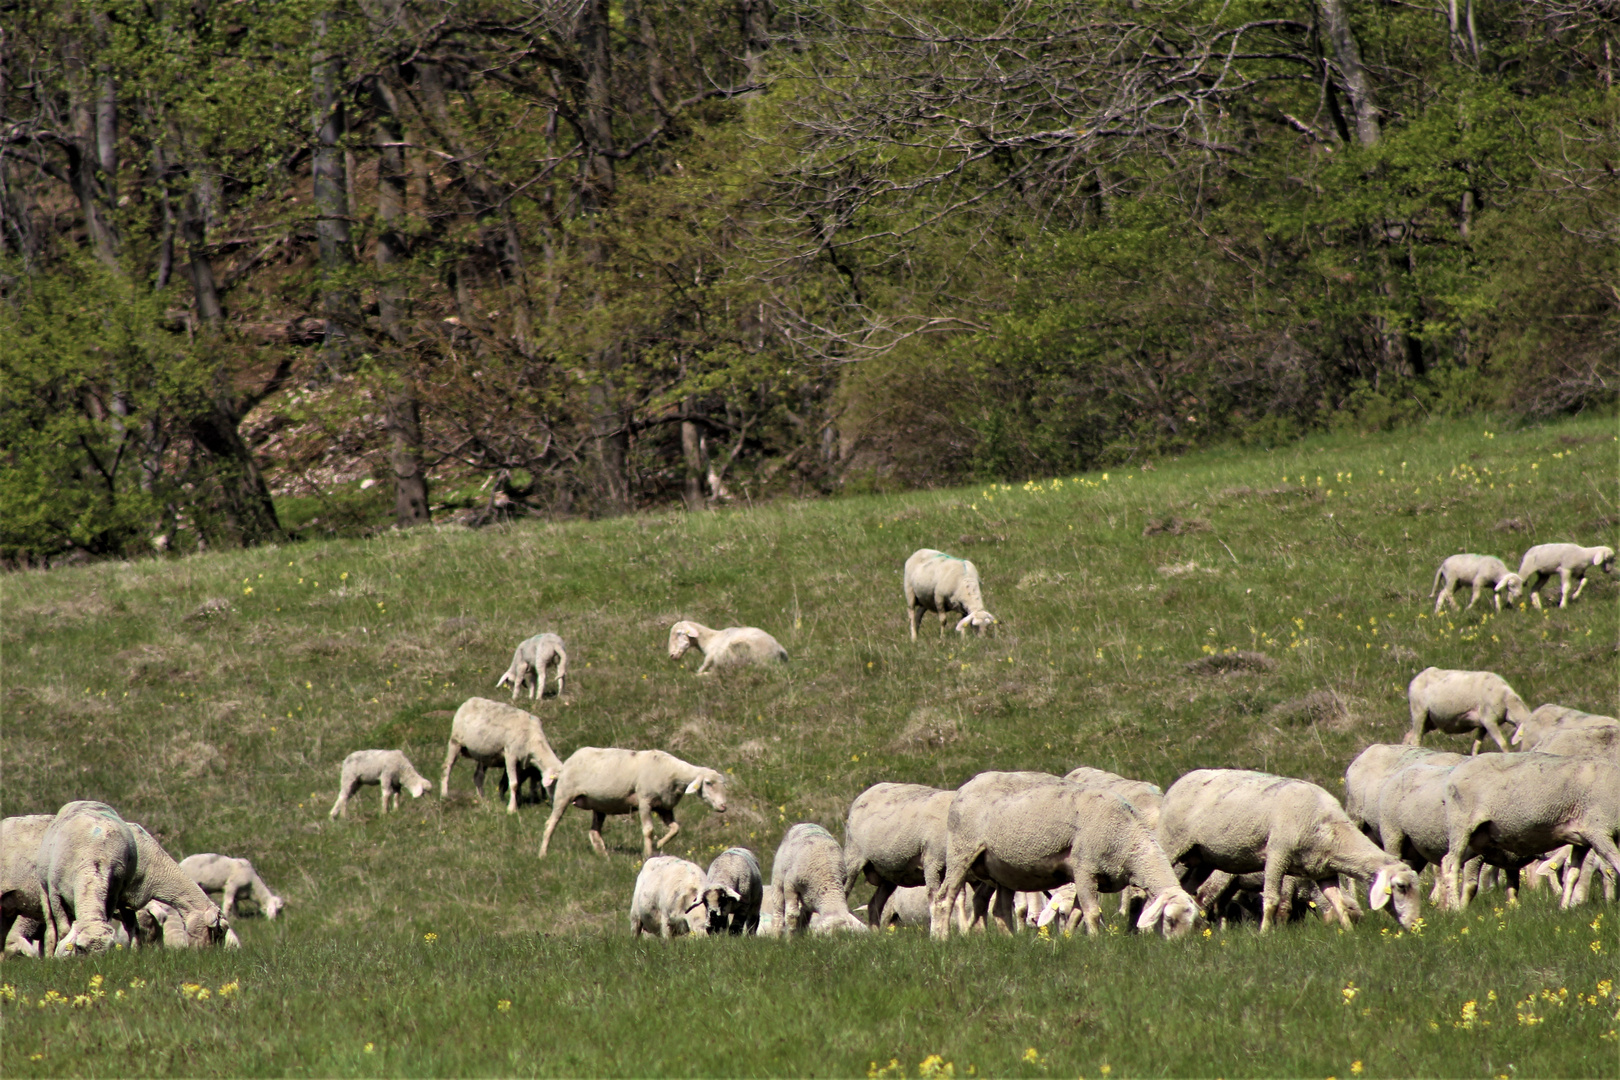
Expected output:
(1155, 910)
(733, 893)
(1048, 914)
(695, 786)
(1379, 893)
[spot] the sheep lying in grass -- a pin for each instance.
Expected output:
(1030, 831)
(1568, 561)
(807, 880)
(935, 581)
(86, 857)
(231, 878)
(532, 658)
(1241, 822)
(734, 646)
(646, 782)
(1480, 572)
(1462, 703)
(492, 733)
(390, 770)
(1549, 721)
(1511, 808)
(894, 836)
(668, 899)
(733, 890)
(20, 906)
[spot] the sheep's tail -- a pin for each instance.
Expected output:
(1438, 574)
(1517, 710)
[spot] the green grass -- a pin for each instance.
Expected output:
(224, 733)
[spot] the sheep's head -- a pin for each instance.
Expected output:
(682, 636)
(1397, 886)
(721, 901)
(92, 936)
(980, 620)
(1512, 587)
(711, 787)
(273, 905)
(1173, 911)
(1604, 559)
(832, 924)
(418, 786)
(209, 927)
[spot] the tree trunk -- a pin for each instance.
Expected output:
(692, 452)
(245, 497)
(598, 180)
(756, 27)
(1357, 83)
(92, 150)
(611, 449)
(331, 199)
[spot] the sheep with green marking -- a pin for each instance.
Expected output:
(935, 581)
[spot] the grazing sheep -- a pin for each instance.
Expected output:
(935, 581)
(733, 891)
(390, 770)
(668, 900)
(1550, 720)
(1463, 702)
(496, 734)
(231, 878)
(1594, 742)
(86, 856)
(19, 882)
(646, 782)
(1240, 821)
(1146, 797)
(1365, 778)
(1030, 831)
(1411, 819)
(894, 836)
(734, 646)
(1478, 571)
(1567, 561)
(532, 658)
(1512, 808)
(807, 880)
(157, 877)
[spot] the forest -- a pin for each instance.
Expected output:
(584, 257)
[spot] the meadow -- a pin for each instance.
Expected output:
(212, 699)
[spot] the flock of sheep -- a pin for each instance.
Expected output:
(1008, 847)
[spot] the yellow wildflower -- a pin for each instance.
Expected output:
(1355, 1067)
(229, 989)
(503, 1005)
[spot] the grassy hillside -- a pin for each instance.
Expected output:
(212, 699)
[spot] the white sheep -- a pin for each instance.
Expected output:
(532, 658)
(1549, 720)
(734, 646)
(668, 899)
(1568, 561)
(1365, 777)
(1511, 808)
(157, 877)
(1463, 702)
(492, 733)
(733, 891)
(935, 581)
(390, 770)
(1478, 571)
(607, 781)
(894, 836)
(1146, 797)
(231, 878)
(1026, 831)
(86, 856)
(20, 909)
(807, 880)
(1240, 822)
(1411, 819)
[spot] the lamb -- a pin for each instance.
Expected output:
(1478, 571)
(733, 891)
(807, 880)
(1463, 702)
(1028, 831)
(1567, 561)
(157, 877)
(735, 646)
(646, 782)
(388, 769)
(1240, 821)
(231, 878)
(19, 882)
(935, 581)
(85, 858)
(668, 900)
(894, 836)
(494, 734)
(1550, 720)
(1365, 777)
(1511, 808)
(532, 658)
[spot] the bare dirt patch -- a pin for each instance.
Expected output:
(1243, 662)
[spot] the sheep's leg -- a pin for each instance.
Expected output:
(1474, 597)
(1563, 592)
(1494, 729)
(772, 906)
(562, 669)
(558, 805)
(1001, 910)
(913, 617)
(792, 908)
(950, 887)
(668, 818)
(1271, 893)
(1331, 892)
(874, 906)
(383, 787)
(645, 810)
(597, 843)
(346, 787)
(449, 760)
(1576, 595)
(56, 921)
(513, 779)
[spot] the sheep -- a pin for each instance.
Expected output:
(1511, 808)
(1146, 797)
(646, 782)
(807, 880)
(1411, 819)
(495, 734)
(157, 877)
(532, 658)
(19, 882)
(86, 856)
(1550, 720)
(390, 770)
(231, 878)
(1365, 776)
(733, 890)
(1233, 898)
(1028, 831)
(1567, 561)
(1463, 702)
(668, 900)
(1240, 821)
(1478, 571)
(1594, 742)
(935, 581)
(26, 937)
(894, 836)
(734, 646)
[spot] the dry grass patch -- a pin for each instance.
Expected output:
(1241, 662)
